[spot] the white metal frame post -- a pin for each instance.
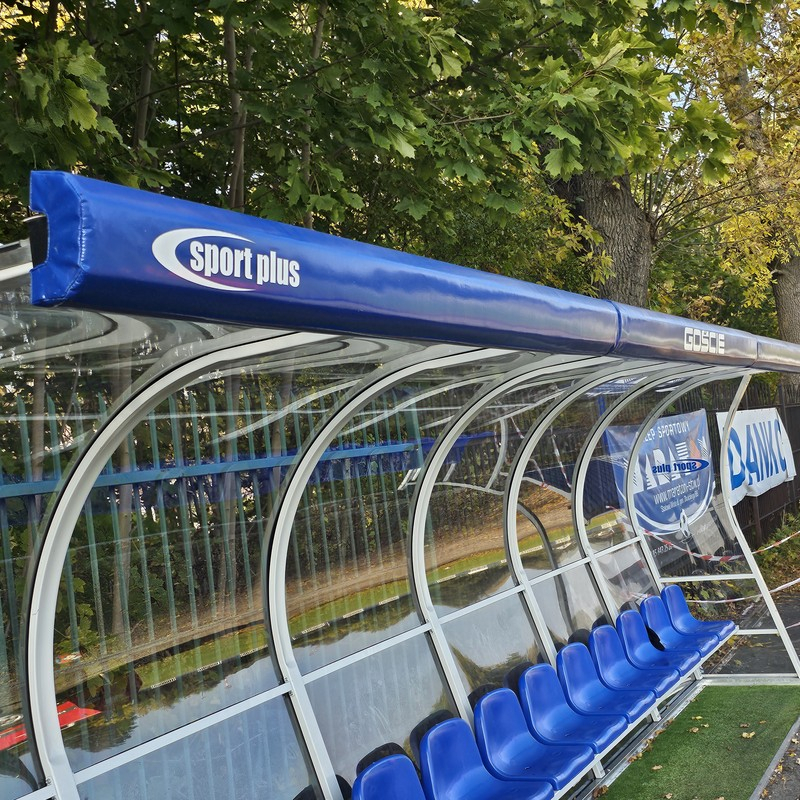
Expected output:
(517, 473)
(418, 512)
(56, 535)
(276, 553)
(733, 523)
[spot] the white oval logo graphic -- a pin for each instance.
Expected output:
(208, 260)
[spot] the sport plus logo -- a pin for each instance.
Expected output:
(680, 467)
(221, 260)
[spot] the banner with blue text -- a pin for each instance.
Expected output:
(673, 479)
(759, 453)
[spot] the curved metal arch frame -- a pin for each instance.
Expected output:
(63, 515)
(733, 525)
(275, 553)
(422, 495)
(582, 467)
(515, 477)
(725, 479)
(80, 480)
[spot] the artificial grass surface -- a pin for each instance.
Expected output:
(702, 755)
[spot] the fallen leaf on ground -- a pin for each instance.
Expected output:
(657, 767)
(748, 735)
(694, 730)
(744, 725)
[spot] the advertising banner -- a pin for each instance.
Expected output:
(759, 452)
(673, 480)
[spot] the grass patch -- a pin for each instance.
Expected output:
(718, 747)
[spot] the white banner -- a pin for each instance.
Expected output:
(759, 453)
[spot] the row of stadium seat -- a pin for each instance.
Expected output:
(537, 741)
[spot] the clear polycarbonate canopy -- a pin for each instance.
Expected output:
(269, 499)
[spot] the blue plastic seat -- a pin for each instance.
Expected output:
(685, 622)
(617, 672)
(587, 694)
(641, 652)
(452, 769)
(390, 778)
(510, 751)
(657, 619)
(552, 719)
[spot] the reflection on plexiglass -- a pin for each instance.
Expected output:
(366, 704)
(546, 534)
(256, 754)
(627, 576)
(490, 642)
(161, 621)
(62, 372)
(570, 605)
(347, 582)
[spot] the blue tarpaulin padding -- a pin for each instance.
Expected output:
(123, 250)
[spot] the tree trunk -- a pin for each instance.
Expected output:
(786, 288)
(316, 49)
(238, 121)
(143, 103)
(608, 205)
(51, 21)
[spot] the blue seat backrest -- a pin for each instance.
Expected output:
(499, 720)
(476, 694)
(605, 646)
(686, 622)
(676, 604)
(655, 614)
(539, 689)
(421, 728)
(631, 628)
(448, 754)
(382, 751)
(575, 667)
(391, 778)
(514, 676)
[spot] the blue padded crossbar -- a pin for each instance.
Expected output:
(118, 249)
